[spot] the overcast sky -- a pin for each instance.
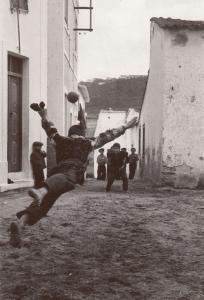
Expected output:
(119, 44)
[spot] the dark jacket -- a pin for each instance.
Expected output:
(37, 160)
(77, 150)
(115, 159)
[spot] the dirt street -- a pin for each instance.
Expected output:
(144, 244)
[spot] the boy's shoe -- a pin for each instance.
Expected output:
(15, 237)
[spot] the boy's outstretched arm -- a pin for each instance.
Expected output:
(112, 134)
(48, 126)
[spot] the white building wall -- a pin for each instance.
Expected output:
(62, 62)
(152, 111)
(62, 67)
(184, 107)
(33, 29)
(132, 134)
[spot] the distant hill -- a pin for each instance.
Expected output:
(118, 93)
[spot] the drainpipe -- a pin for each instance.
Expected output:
(19, 33)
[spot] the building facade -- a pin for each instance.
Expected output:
(23, 63)
(171, 127)
(62, 60)
(62, 66)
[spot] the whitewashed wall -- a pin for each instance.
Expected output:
(33, 28)
(183, 136)
(62, 63)
(152, 110)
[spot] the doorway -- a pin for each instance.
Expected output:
(15, 67)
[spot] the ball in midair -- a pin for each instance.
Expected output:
(72, 97)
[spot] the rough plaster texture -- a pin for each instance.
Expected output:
(173, 108)
(183, 136)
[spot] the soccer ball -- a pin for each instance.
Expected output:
(72, 97)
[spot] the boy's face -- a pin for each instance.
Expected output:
(38, 148)
(133, 151)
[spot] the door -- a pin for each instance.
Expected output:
(14, 124)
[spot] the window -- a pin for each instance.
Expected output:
(66, 11)
(15, 65)
(21, 4)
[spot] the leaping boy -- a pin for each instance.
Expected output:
(71, 156)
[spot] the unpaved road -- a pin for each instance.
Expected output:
(144, 244)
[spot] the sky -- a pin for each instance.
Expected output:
(120, 42)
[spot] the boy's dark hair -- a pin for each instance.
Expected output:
(37, 144)
(76, 129)
(116, 145)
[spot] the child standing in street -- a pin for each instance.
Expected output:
(37, 160)
(101, 160)
(133, 159)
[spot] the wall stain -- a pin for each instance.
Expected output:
(180, 39)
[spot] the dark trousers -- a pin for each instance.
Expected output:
(62, 179)
(132, 170)
(39, 178)
(101, 172)
(113, 174)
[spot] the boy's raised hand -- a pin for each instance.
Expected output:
(131, 123)
(40, 108)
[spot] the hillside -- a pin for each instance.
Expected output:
(118, 93)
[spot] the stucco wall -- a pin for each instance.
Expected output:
(62, 67)
(152, 111)
(183, 149)
(33, 29)
(62, 61)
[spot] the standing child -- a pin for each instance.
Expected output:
(101, 160)
(116, 167)
(133, 159)
(37, 160)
